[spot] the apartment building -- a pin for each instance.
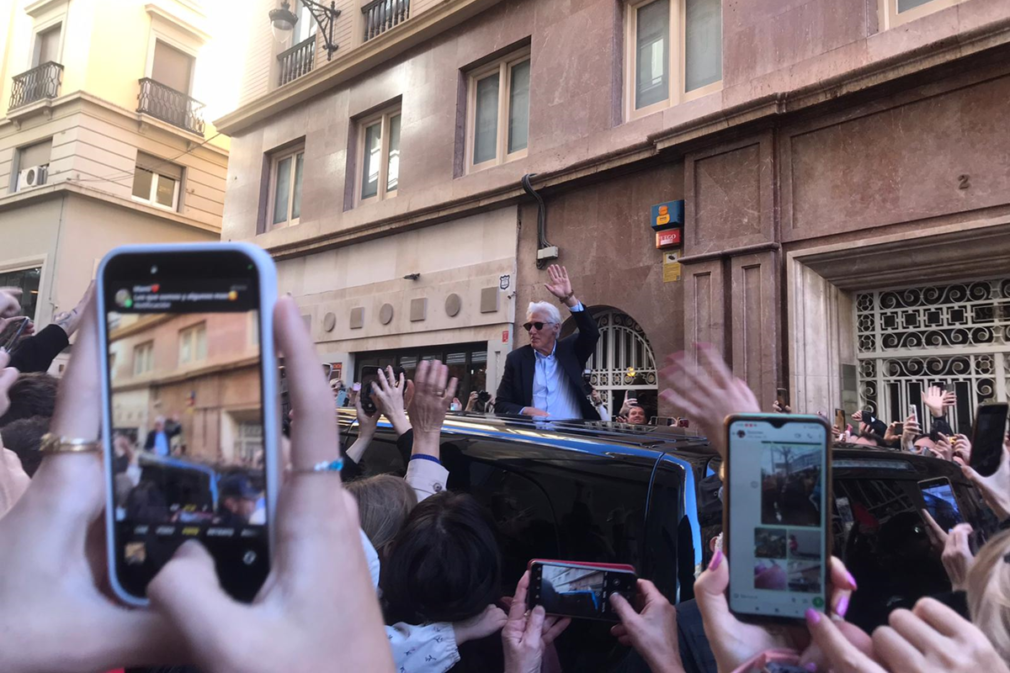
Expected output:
(842, 166)
(103, 138)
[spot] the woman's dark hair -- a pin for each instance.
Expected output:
(444, 565)
(32, 394)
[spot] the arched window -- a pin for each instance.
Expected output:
(623, 360)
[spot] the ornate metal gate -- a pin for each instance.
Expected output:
(956, 335)
(623, 360)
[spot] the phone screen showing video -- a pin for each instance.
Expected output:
(777, 517)
(938, 495)
(582, 592)
(187, 419)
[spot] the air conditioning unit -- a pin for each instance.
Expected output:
(32, 177)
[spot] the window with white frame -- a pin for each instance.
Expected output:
(193, 344)
(379, 156)
(306, 25)
(674, 53)
(156, 182)
(284, 207)
(46, 48)
(143, 358)
(897, 12)
(498, 112)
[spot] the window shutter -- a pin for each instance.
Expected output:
(36, 155)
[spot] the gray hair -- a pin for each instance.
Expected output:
(550, 309)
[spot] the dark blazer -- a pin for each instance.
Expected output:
(573, 352)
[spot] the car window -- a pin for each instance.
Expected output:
(669, 547)
(882, 538)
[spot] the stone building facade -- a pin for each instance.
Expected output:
(829, 152)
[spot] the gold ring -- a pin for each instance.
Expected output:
(57, 444)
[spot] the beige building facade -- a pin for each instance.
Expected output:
(103, 138)
(828, 154)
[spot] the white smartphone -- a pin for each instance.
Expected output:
(190, 410)
(777, 517)
(913, 411)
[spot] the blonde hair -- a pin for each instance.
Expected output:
(989, 593)
(384, 503)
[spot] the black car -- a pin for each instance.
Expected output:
(650, 497)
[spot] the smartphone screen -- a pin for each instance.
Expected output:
(988, 438)
(186, 411)
(369, 375)
(941, 504)
(779, 477)
(578, 591)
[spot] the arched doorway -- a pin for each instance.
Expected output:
(623, 361)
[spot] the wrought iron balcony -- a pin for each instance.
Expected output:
(297, 60)
(37, 84)
(381, 15)
(169, 105)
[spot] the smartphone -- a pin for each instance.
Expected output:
(776, 515)
(988, 437)
(10, 344)
(782, 396)
(938, 496)
(370, 375)
(189, 370)
(913, 411)
(579, 590)
(841, 422)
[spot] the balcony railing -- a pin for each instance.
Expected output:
(297, 60)
(381, 15)
(169, 105)
(37, 84)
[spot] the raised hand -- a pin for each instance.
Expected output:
(483, 625)
(319, 583)
(706, 397)
(10, 306)
(388, 395)
(433, 394)
(653, 632)
(937, 400)
(909, 431)
(559, 285)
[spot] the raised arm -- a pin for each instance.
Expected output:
(561, 287)
(433, 393)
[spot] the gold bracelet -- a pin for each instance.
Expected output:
(52, 444)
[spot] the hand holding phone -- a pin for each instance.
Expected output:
(579, 590)
(776, 526)
(168, 320)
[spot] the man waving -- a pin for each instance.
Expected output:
(545, 378)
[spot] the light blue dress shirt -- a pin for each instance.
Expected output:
(551, 392)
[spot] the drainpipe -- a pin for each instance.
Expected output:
(545, 251)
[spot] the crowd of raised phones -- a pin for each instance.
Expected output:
(398, 573)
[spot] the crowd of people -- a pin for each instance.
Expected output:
(397, 573)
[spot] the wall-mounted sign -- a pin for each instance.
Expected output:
(667, 215)
(668, 239)
(671, 266)
(504, 282)
(505, 337)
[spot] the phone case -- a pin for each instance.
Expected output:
(267, 273)
(726, 504)
(603, 566)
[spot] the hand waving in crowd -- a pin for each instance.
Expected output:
(528, 633)
(706, 390)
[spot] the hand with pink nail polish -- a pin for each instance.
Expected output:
(734, 642)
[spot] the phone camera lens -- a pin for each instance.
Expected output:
(154, 269)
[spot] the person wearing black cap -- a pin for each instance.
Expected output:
(237, 500)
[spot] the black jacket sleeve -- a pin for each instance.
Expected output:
(941, 425)
(405, 444)
(36, 353)
(508, 399)
(588, 335)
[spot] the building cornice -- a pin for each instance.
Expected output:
(758, 112)
(59, 189)
(39, 7)
(353, 62)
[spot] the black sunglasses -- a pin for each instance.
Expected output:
(539, 325)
